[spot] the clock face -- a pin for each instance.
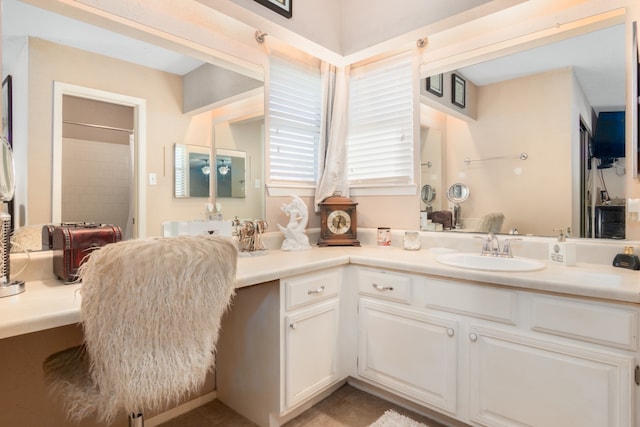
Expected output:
(338, 222)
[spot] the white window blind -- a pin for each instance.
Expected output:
(181, 172)
(294, 122)
(380, 141)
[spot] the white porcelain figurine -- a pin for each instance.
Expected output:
(295, 238)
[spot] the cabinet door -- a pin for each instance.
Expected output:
(409, 352)
(517, 381)
(311, 351)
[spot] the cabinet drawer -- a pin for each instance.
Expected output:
(482, 302)
(304, 290)
(595, 323)
(381, 284)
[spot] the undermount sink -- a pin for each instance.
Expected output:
(489, 263)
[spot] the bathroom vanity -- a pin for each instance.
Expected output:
(553, 347)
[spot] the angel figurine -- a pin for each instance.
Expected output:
(295, 238)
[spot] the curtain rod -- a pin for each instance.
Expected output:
(91, 125)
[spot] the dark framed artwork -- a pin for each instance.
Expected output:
(283, 7)
(434, 84)
(7, 110)
(458, 91)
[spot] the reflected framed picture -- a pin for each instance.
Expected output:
(7, 110)
(458, 91)
(283, 7)
(434, 84)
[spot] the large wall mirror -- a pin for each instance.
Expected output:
(526, 153)
(70, 51)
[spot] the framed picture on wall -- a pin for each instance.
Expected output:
(7, 110)
(458, 90)
(283, 7)
(434, 84)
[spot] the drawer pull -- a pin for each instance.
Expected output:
(473, 337)
(293, 326)
(316, 291)
(450, 332)
(382, 287)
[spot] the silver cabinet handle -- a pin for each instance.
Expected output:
(473, 337)
(316, 291)
(450, 332)
(293, 326)
(382, 287)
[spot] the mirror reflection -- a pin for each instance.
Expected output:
(179, 103)
(230, 173)
(192, 170)
(544, 102)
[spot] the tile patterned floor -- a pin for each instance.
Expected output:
(346, 407)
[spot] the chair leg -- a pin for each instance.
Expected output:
(136, 420)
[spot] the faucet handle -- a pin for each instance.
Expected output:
(487, 243)
(506, 248)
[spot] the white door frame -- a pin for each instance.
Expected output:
(140, 134)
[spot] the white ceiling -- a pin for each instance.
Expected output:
(598, 57)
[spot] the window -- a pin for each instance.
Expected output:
(294, 122)
(380, 144)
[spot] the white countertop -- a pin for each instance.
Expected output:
(50, 303)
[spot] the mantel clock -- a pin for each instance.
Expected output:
(338, 222)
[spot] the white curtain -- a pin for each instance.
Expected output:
(332, 168)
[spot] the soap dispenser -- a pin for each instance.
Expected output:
(562, 252)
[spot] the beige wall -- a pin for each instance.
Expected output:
(518, 116)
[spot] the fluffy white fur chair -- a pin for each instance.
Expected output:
(151, 311)
(491, 223)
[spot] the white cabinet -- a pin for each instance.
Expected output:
(515, 380)
(494, 356)
(411, 353)
(403, 348)
(310, 335)
(311, 351)
(279, 349)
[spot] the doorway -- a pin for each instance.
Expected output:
(90, 144)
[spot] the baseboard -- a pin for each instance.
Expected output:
(180, 409)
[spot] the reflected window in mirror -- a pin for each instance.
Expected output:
(192, 171)
(230, 173)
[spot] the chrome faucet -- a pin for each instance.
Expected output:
(491, 246)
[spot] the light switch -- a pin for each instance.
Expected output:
(257, 184)
(153, 179)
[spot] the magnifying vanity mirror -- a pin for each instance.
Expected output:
(7, 188)
(231, 173)
(428, 194)
(192, 171)
(457, 194)
(7, 174)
